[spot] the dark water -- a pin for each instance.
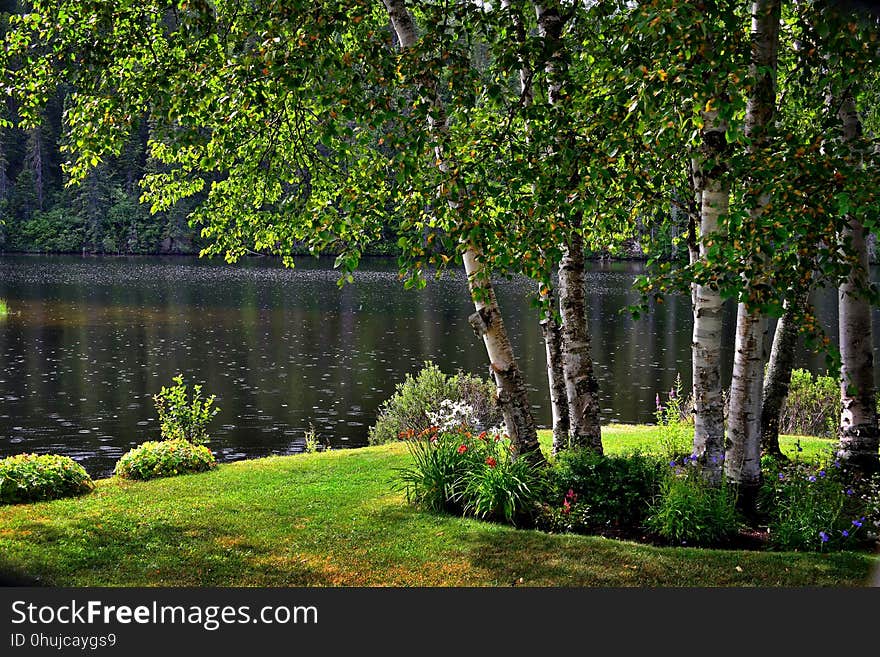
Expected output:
(90, 340)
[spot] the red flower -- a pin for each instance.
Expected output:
(482, 435)
(462, 449)
(491, 462)
(566, 507)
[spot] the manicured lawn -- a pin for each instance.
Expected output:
(334, 519)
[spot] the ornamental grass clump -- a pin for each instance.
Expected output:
(32, 477)
(456, 471)
(164, 458)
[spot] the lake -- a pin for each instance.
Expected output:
(91, 339)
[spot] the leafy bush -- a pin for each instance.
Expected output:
(819, 506)
(164, 459)
(455, 471)
(588, 491)
(812, 407)
(181, 417)
(689, 510)
(407, 411)
(32, 477)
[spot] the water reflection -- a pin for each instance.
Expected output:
(90, 340)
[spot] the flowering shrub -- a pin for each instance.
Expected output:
(588, 491)
(164, 459)
(457, 471)
(432, 398)
(819, 506)
(690, 511)
(32, 477)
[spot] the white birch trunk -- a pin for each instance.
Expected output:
(584, 425)
(706, 343)
(487, 320)
(859, 440)
(743, 457)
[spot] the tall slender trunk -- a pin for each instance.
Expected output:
(487, 320)
(584, 424)
(550, 328)
(777, 380)
(577, 361)
(859, 438)
(714, 196)
(35, 160)
(743, 457)
(552, 332)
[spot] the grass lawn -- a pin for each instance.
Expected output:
(333, 519)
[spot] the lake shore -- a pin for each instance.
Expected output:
(335, 519)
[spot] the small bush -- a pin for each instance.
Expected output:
(181, 417)
(812, 407)
(164, 459)
(690, 511)
(588, 491)
(32, 477)
(409, 409)
(458, 472)
(819, 506)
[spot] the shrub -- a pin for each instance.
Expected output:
(588, 491)
(32, 477)
(181, 417)
(4, 308)
(164, 459)
(819, 506)
(812, 407)
(408, 409)
(689, 510)
(455, 471)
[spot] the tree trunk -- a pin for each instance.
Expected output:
(859, 440)
(743, 457)
(584, 425)
(706, 343)
(778, 377)
(552, 332)
(487, 321)
(35, 160)
(577, 361)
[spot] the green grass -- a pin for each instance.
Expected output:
(332, 518)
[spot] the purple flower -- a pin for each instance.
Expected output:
(823, 536)
(811, 478)
(857, 523)
(836, 464)
(849, 491)
(781, 476)
(672, 393)
(672, 464)
(821, 473)
(844, 532)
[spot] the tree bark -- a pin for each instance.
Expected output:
(585, 429)
(778, 377)
(859, 437)
(552, 332)
(35, 160)
(743, 456)
(706, 343)
(487, 320)
(584, 424)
